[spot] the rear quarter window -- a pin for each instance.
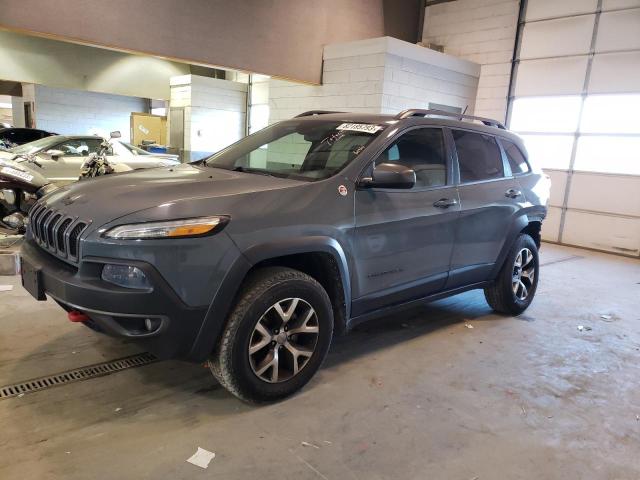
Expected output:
(517, 160)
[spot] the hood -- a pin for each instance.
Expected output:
(7, 165)
(113, 196)
(165, 156)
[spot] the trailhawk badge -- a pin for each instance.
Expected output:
(342, 190)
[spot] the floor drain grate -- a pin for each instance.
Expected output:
(76, 375)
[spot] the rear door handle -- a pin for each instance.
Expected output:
(445, 203)
(512, 193)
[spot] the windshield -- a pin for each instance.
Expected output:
(300, 149)
(133, 149)
(35, 146)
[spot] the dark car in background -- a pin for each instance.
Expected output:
(254, 257)
(18, 136)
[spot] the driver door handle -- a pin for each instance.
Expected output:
(512, 193)
(445, 203)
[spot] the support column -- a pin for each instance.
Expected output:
(211, 112)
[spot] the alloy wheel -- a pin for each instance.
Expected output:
(524, 271)
(283, 340)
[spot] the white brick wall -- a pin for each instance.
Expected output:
(214, 115)
(412, 84)
(482, 31)
(381, 75)
(74, 112)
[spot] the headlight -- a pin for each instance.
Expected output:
(125, 276)
(191, 227)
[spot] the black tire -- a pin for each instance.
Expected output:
(230, 362)
(501, 296)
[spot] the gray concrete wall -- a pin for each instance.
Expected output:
(66, 65)
(74, 112)
(279, 37)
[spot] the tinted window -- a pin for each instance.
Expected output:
(423, 151)
(478, 156)
(516, 158)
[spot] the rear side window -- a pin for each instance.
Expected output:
(516, 159)
(478, 156)
(423, 151)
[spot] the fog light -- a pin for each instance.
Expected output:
(126, 276)
(152, 324)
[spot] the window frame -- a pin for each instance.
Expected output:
(451, 175)
(506, 168)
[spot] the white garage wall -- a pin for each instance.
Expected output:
(484, 32)
(74, 112)
(576, 98)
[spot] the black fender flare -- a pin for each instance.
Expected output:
(222, 302)
(520, 221)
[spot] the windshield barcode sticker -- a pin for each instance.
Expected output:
(359, 127)
(17, 173)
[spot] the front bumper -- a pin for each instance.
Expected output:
(119, 311)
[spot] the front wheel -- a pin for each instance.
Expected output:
(517, 281)
(276, 337)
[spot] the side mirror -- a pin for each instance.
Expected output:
(55, 154)
(390, 175)
(115, 134)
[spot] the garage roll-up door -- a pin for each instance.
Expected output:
(575, 99)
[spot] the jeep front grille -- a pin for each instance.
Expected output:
(56, 232)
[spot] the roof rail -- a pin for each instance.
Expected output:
(310, 113)
(416, 112)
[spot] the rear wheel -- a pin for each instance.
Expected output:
(517, 281)
(276, 337)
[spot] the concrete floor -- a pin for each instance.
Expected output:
(415, 396)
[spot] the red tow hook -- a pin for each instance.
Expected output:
(76, 316)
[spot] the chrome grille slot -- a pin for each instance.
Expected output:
(56, 232)
(36, 217)
(60, 235)
(51, 239)
(73, 238)
(41, 230)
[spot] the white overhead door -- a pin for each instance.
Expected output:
(575, 99)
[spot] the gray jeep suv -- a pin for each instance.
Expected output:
(254, 257)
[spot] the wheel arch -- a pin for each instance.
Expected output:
(525, 222)
(322, 258)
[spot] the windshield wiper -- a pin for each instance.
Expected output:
(259, 171)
